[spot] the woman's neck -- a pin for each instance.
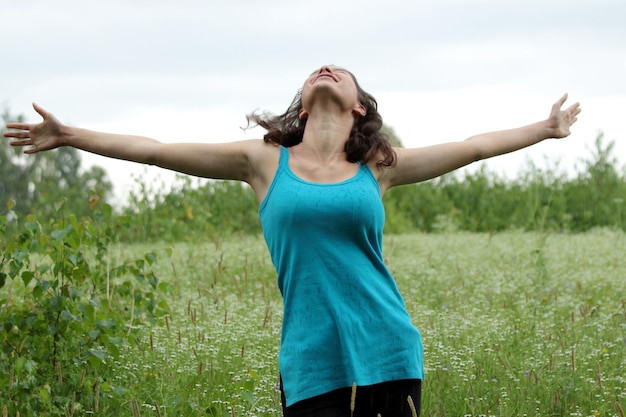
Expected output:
(326, 134)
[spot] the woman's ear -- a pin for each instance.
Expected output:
(359, 110)
(303, 114)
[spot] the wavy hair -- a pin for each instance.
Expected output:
(366, 140)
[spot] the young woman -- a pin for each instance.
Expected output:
(348, 347)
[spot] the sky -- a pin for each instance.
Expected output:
(441, 70)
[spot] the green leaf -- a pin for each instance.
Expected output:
(97, 353)
(88, 310)
(248, 397)
(113, 350)
(32, 227)
(27, 277)
(163, 305)
(151, 257)
(249, 385)
(59, 235)
(44, 284)
(37, 292)
(75, 292)
(53, 329)
(67, 316)
(56, 302)
(106, 324)
(163, 287)
(59, 204)
(153, 280)
(44, 394)
(74, 258)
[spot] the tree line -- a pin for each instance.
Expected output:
(54, 184)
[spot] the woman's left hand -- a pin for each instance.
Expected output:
(561, 120)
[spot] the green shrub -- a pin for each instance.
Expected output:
(66, 311)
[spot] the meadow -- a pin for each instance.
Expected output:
(168, 306)
(513, 323)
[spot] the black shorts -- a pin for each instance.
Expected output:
(388, 399)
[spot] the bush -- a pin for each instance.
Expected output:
(538, 200)
(66, 312)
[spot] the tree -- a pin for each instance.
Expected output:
(38, 182)
(596, 198)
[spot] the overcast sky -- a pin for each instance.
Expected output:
(441, 70)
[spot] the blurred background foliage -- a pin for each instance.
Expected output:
(196, 209)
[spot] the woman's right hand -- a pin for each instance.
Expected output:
(39, 136)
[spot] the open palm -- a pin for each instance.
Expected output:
(40, 137)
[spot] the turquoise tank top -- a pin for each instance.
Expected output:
(344, 319)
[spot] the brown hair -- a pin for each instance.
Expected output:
(366, 140)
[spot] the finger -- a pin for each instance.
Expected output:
(31, 150)
(20, 143)
(22, 126)
(574, 108)
(40, 110)
(562, 100)
(17, 134)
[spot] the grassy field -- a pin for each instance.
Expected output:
(514, 324)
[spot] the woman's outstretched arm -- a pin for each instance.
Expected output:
(219, 161)
(421, 164)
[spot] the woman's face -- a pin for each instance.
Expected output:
(332, 82)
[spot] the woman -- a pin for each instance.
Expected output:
(348, 347)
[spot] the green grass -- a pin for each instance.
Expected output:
(514, 324)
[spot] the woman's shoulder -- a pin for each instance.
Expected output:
(259, 150)
(263, 158)
(383, 172)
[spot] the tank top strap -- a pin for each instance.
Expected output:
(283, 162)
(283, 165)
